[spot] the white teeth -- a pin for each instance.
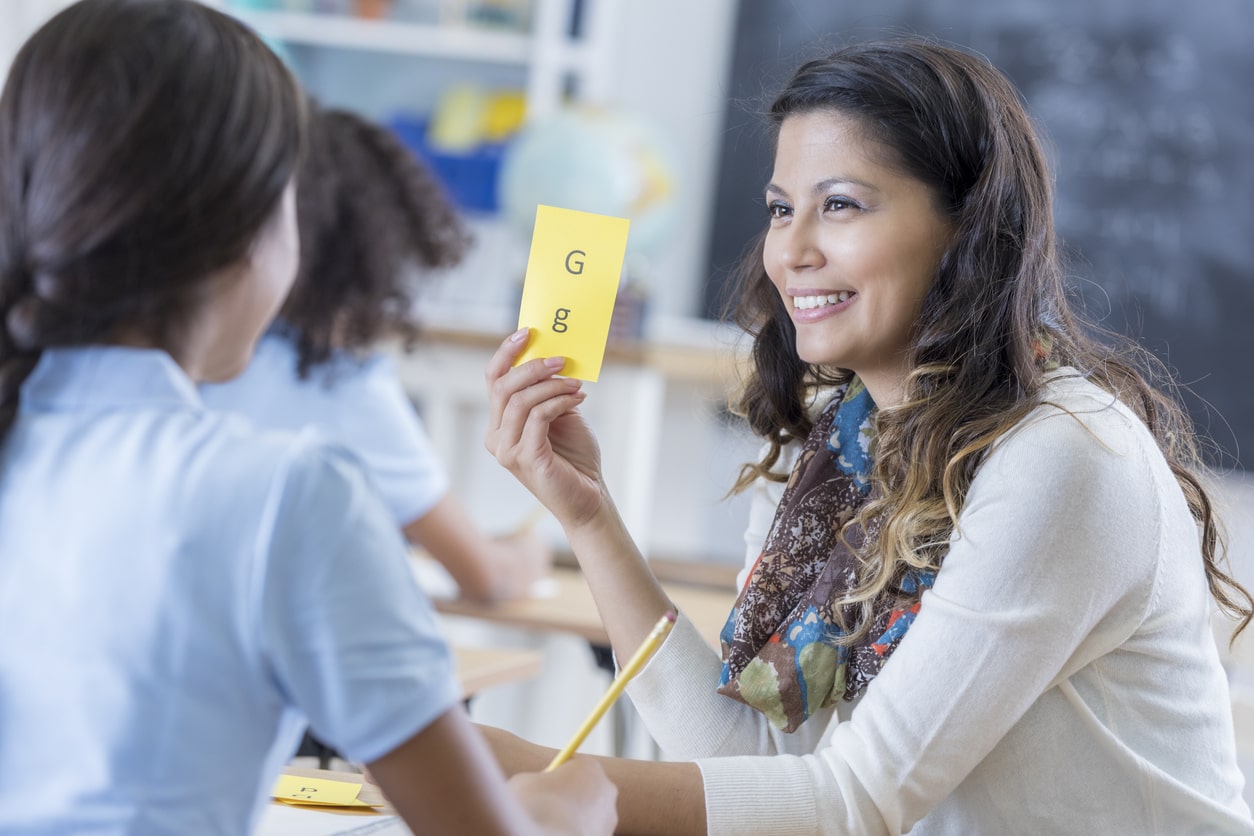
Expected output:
(805, 303)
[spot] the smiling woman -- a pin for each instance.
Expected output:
(982, 603)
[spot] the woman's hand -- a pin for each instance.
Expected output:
(536, 432)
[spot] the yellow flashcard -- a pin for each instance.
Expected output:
(568, 293)
(318, 791)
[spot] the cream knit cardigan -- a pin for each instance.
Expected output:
(1061, 677)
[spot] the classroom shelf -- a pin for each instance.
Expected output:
(558, 58)
(464, 42)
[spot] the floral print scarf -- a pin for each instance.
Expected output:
(779, 643)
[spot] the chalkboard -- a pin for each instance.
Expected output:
(1147, 107)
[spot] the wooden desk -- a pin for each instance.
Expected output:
(714, 355)
(479, 668)
(570, 609)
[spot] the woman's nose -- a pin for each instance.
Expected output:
(801, 248)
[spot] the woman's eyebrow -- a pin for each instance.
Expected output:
(825, 185)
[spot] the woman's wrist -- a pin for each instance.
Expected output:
(603, 526)
(627, 593)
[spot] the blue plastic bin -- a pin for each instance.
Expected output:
(470, 179)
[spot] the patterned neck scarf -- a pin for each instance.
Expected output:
(779, 643)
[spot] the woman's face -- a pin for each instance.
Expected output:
(853, 247)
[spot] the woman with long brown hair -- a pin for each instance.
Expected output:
(983, 601)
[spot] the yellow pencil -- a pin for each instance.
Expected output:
(646, 650)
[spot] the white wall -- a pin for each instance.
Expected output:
(18, 19)
(674, 65)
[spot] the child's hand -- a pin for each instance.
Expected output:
(530, 554)
(536, 432)
(575, 798)
(567, 800)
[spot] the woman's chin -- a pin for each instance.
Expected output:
(820, 356)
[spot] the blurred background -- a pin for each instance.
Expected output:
(647, 109)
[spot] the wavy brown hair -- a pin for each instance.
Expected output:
(955, 123)
(144, 144)
(370, 215)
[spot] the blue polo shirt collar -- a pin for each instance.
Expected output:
(108, 377)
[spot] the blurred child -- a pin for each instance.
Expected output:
(371, 220)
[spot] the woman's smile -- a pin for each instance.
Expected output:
(811, 306)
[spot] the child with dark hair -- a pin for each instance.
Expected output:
(181, 596)
(372, 222)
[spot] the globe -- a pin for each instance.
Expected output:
(593, 160)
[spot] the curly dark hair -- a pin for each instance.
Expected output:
(370, 213)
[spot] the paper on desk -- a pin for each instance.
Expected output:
(287, 820)
(320, 792)
(568, 293)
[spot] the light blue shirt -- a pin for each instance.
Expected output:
(177, 594)
(360, 404)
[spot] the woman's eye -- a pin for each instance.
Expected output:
(836, 204)
(777, 209)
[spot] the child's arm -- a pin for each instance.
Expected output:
(658, 798)
(485, 569)
(445, 780)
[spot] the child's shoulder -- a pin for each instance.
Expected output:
(305, 468)
(235, 447)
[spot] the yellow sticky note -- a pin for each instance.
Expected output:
(318, 791)
(568, 293)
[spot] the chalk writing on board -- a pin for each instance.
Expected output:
(1124, 105)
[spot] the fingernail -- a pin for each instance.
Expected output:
(554, 363)
(518, 335)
